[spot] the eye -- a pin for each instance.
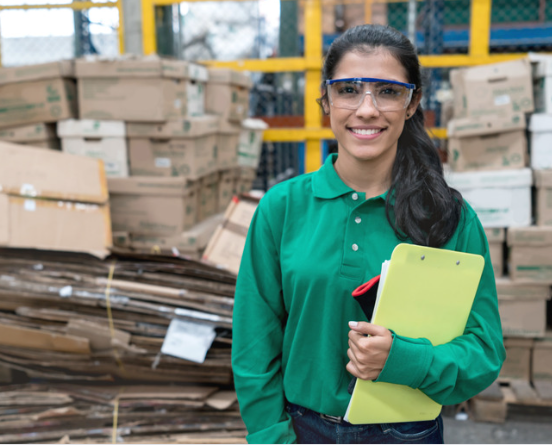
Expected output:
(347, 88)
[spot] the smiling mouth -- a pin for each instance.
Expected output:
(366, 132)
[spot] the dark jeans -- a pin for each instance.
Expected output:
(311, 428)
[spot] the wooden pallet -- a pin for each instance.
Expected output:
(513, 397)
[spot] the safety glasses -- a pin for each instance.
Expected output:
(387, 95)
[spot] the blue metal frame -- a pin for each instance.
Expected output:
(410, 86)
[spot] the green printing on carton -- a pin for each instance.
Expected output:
(156, 226)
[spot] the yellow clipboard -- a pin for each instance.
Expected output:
(427, 293)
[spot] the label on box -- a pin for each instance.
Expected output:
(188, 340)
(30, 205)
(503, 99)
(163, 162)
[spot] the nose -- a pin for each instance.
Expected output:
(367, 107)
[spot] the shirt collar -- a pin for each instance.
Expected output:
(327, 184)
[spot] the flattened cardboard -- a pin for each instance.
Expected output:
(34, 172)
(39, 339)
(152, 206)
(499, 151)
(543, 197)
(56, 225)
(38, 101)
(225, 248)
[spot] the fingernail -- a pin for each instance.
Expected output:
(353, 323)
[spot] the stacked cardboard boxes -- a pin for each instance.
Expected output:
(495, 166)
(33, 98)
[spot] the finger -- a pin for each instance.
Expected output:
(367, 328)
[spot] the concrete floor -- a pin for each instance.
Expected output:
(512, 431)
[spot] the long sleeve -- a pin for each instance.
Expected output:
(458, 370)
(258, 325)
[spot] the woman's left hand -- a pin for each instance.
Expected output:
(368, 355)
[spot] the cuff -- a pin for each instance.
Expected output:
(408, 361)
(281, 432)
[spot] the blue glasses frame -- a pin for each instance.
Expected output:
(410, 86)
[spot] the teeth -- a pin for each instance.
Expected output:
(365, 132)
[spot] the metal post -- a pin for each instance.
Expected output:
(480, 27)
(313, 78)
(412, 21)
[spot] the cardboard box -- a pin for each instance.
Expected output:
(57, 225)
(208, 196)
(37, 173)
(37, 135)
(518, 359)
(496, 238)
(251, 141)
(522, 308)
(542, 358)
(168, 89)
(37, 93)
(499, 151)
(244, 180)
(177, 148)
(500, 198)
(227, 94)
(530, 258)
(493, 89)
(542, 82)
(225, 248)
(103, 140)
(190, 243)
(543, 197)
(225, 189)
(480, 126)
(152, 206)
(228, 140)
(540, 127)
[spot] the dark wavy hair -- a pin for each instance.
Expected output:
(425, 208)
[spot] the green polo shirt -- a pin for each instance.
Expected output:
(311, 242)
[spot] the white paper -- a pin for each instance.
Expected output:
(503, 99)
(188, 340)
(29, 205)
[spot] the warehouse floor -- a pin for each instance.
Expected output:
(513, 431)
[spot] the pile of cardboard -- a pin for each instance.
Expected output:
(105, 337)
(101, 413)
(505, 176)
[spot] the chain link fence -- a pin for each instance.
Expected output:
(40, 31)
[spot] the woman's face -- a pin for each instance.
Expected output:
(367, 134)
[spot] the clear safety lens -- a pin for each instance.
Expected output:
(386, 96)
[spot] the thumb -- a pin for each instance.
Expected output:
(364, 327)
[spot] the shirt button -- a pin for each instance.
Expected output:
(358, 220)
(355, 247)
(355, 196)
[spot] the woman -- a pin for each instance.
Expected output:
(298, 334)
